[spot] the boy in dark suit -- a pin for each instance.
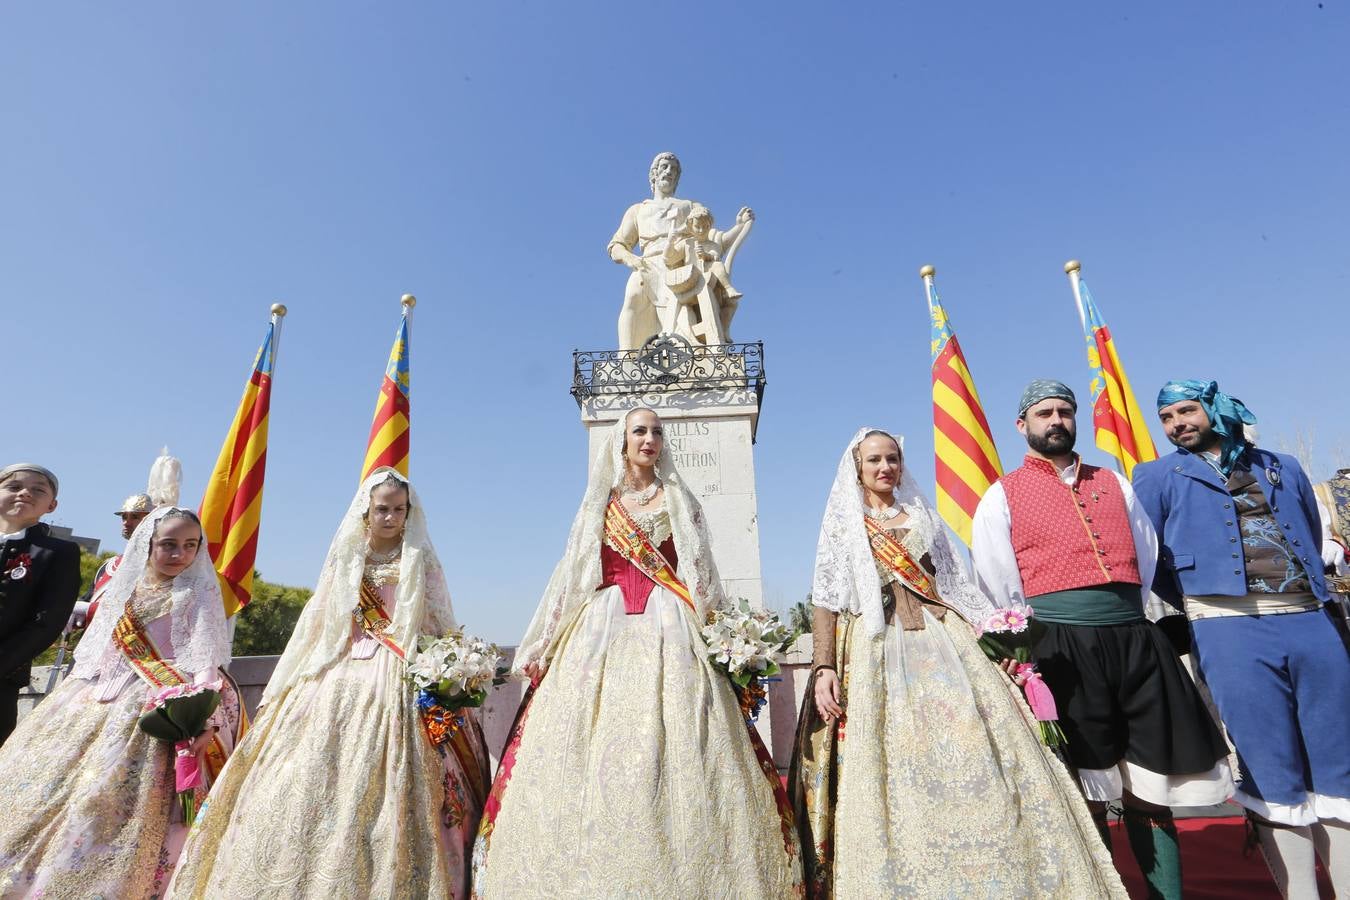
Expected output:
(39, 579)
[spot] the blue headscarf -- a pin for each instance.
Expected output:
(1227, 415)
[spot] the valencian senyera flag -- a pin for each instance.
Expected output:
(389, 441)
(963, 447)
(232, 505)
(1121, 429)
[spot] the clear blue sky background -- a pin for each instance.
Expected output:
(169, 170)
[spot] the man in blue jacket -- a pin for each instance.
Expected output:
(1239, 536)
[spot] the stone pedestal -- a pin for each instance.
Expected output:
(708, 399)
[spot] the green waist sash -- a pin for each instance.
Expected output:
(1103, 604)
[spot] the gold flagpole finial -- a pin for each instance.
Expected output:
(408, 300)
(927, 272)
(1072, 266)
(278, 309)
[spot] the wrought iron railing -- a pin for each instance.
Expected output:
(668, 363)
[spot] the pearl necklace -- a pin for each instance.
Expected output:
(645, 496)
(882, 515)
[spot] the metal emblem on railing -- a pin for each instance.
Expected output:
(666, 364)
(664, 358)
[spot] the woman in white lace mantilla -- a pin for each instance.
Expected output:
(339, 790)
(631, 770)
(917, 770)
(91, 808)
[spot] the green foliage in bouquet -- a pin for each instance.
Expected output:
(455, 671)
(180, 718)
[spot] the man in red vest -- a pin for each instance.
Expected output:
(1070, 540)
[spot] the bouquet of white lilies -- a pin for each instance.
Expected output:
(455, 669)
(746, 642)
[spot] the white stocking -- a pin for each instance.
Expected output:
(1289, 854)
(1333, 845)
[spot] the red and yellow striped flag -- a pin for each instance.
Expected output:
(389, 438)
(1120, 426)
(232, 505)
(963, 447)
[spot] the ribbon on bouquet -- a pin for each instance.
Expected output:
(1038, 695)
(187, 767)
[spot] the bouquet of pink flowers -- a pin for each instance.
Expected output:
(1008, 634)
(178, 715)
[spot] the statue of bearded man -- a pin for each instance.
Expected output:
(649, 306)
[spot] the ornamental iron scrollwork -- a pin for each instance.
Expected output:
(665, 364)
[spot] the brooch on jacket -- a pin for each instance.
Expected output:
(17, 568)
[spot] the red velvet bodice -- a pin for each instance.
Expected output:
(636, 587)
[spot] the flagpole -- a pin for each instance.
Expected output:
(278, 313)
(1072, 268)
(408, 301)
(927, 273)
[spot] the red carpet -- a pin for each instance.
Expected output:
(1212, 864)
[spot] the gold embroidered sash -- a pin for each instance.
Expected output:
(893, 556)
(636, 547)
(134, 641)
(374, 621)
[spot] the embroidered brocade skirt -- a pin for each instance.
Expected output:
(632, 773)
(936, 784)
(337, 793)
(90, 801)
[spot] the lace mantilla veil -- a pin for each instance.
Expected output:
(200, 634)
(577, 574)
(846, 578)
(322, 636)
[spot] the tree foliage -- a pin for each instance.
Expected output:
(800, 616)
(265, 625)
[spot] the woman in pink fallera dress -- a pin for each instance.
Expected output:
(339, 790)
(91, 807)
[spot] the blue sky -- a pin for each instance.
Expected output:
(169, 170)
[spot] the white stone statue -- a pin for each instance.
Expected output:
(681, 278)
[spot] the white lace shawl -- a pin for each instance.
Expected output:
(578, 572)
(200, 634)
(846, 578)
(322, 636)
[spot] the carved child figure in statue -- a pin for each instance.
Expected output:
(696, 270)
(650, 306)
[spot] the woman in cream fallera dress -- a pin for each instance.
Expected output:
(631, 770)
(933, 782)
(338, 792)
(91, 805)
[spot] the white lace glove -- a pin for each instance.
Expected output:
(1333, 554)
